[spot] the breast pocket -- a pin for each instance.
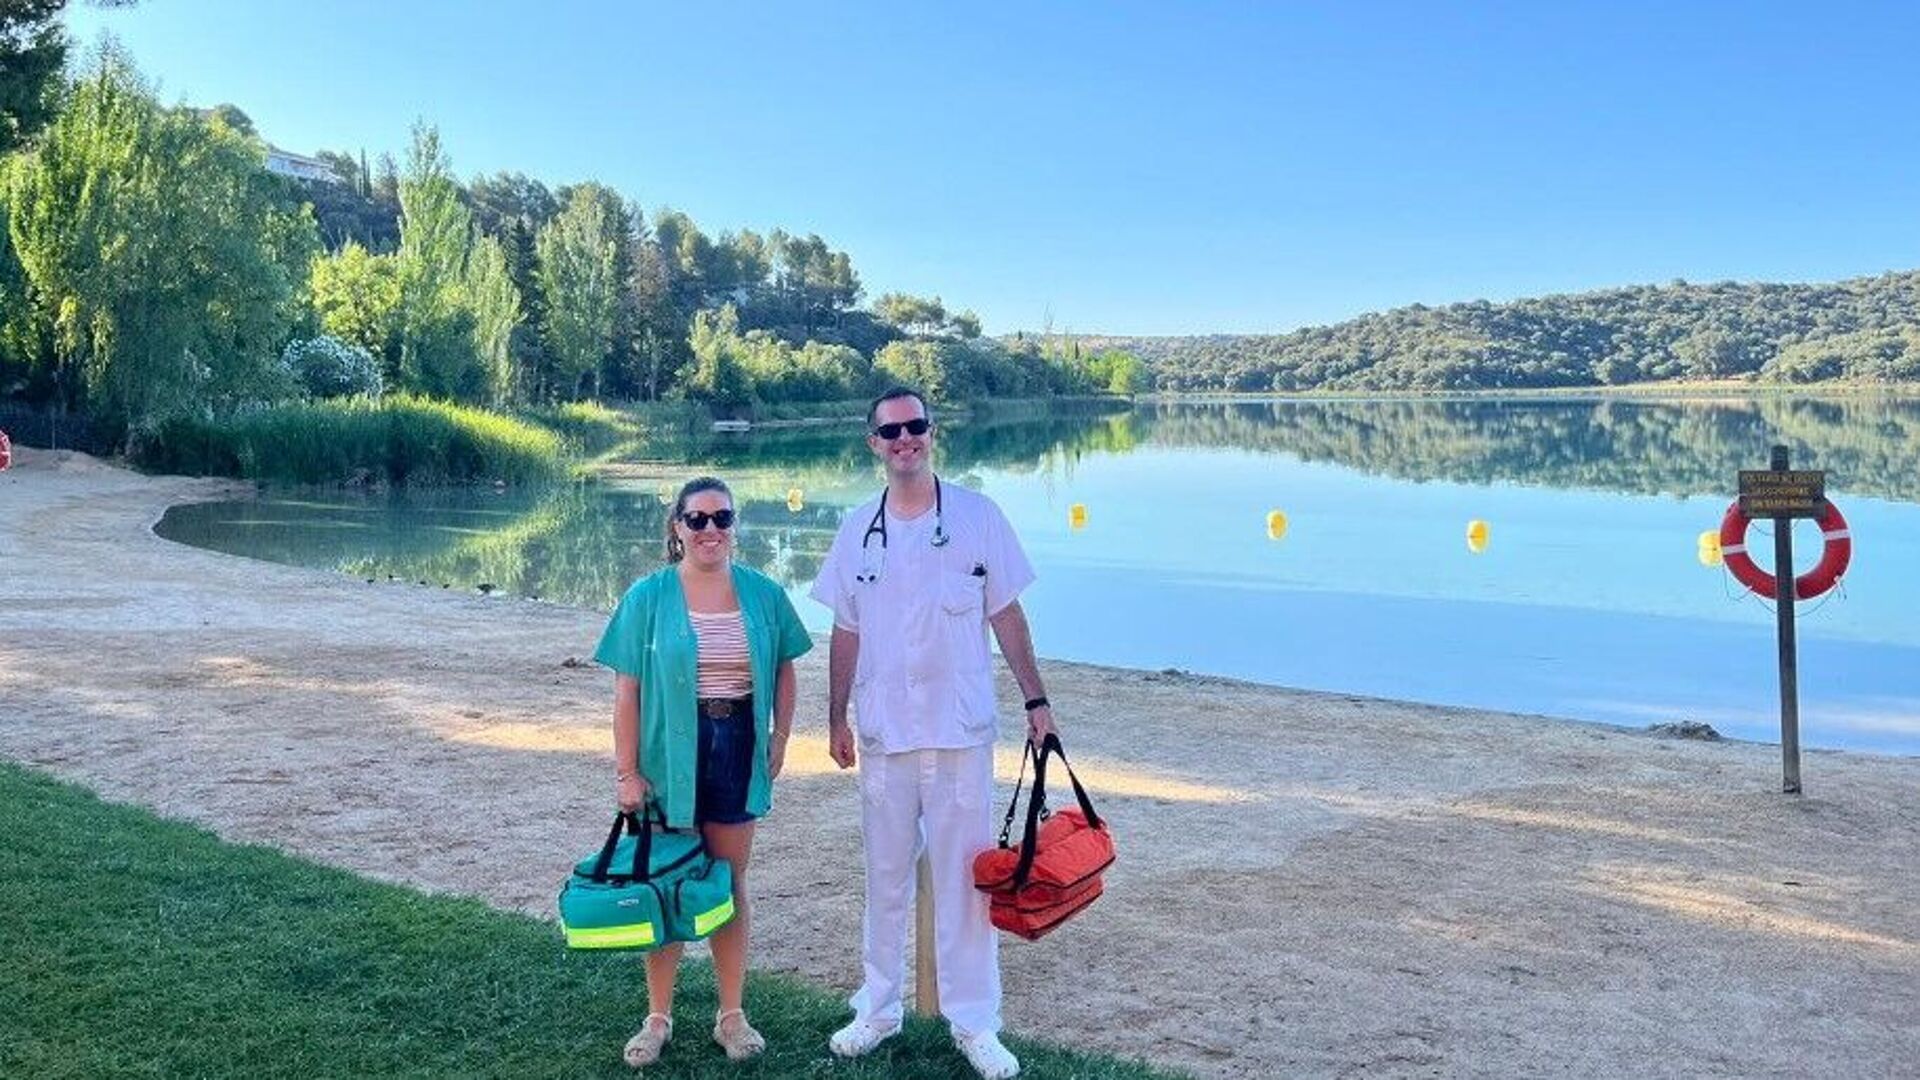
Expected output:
(963, 594)
(963, 623)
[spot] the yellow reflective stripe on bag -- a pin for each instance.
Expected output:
(637, 936)
(708, 921)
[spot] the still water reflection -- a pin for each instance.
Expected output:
(1588, 600)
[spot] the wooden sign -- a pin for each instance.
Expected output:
(1787, 493)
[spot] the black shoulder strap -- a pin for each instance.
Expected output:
(1013, 805)
(1035, 801)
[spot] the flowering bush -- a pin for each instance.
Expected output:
(328, 367)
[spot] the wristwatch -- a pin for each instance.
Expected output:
(1037, 702)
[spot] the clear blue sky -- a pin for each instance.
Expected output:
(1141, 167)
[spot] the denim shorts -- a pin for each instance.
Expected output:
(725, 766)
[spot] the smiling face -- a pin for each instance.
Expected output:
(707, 548)
(906, 455)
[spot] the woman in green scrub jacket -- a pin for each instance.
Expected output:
(703, 652)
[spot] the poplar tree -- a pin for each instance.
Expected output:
(436, 231)
(576, 275)
(458, 305)
(496, 311)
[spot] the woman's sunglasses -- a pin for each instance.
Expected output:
(919, 425)
(697, 519)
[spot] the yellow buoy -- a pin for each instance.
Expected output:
(796, 501)
(1276, 524)
(1077, 515)
(1709, 553)
(1477, 536)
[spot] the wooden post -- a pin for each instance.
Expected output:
(1783, 601)
(926, 981)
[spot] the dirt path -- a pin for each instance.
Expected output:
(1309, 884)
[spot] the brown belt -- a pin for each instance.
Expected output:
(721, 708)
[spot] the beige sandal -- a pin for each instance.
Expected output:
(740, 1041)
(644, 1048)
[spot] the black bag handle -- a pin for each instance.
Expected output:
(637, 825)
(1036, 802)
(1013, 804)
(605, 861)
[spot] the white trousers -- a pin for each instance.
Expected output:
(941, 797)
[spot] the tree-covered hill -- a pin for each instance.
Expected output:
(1861, 330)
(160, 265)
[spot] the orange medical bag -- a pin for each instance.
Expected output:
(1056, 871)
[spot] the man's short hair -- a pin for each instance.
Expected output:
(894, 393)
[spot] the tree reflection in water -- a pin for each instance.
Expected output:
(582, 543)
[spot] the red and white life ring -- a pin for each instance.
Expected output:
(1833, 559)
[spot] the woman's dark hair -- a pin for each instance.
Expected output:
(675, 549)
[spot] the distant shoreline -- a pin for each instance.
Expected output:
(1665, 390)
(1676, 390)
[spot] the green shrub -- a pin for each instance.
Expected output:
(398, 439)
(328, 367)
(587, 426)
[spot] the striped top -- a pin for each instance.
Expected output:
(726, 671)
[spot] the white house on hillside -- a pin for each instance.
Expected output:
(300, 166)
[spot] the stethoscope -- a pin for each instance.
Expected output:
(870, 567)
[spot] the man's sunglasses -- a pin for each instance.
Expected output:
(919, 425)
(697, 519)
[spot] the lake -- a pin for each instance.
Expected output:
(1590, 598)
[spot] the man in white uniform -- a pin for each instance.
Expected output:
(915, 577)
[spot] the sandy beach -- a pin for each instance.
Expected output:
(1309, 884)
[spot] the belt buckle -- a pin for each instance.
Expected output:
(716, 708)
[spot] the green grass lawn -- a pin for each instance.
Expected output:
(133, 946)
